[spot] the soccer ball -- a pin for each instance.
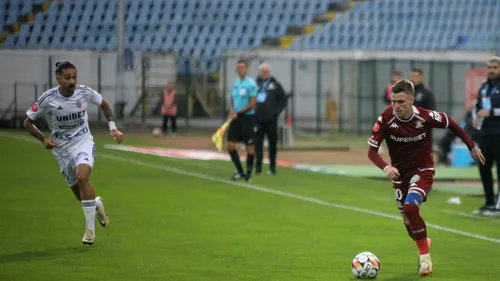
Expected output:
(365, 265)
(157, 132)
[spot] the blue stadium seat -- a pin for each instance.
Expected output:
(12, 13)
(87, 42)
(56, 42)
(10, 42)
(44, 42)
(26, 7)
(32, 42)
(79, 41)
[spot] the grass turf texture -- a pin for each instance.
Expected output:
(167, 226)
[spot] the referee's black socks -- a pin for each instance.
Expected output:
(250, 158)
(236, 160)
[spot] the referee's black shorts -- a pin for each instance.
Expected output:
(241, 130)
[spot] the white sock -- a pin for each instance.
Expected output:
(426, 256)
(88, 207)
(98, 202)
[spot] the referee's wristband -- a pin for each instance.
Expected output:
(386, 167)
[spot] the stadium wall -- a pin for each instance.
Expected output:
(30, 72)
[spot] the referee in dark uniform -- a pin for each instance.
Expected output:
(243, 99)
(271, 100)
(487, 115)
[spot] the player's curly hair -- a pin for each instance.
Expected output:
(403, 85)
(62, 65)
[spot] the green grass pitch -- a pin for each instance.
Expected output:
(175, 219)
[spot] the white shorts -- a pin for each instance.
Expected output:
(70, 157)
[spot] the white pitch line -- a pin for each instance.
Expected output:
(470, 216)
(16, 137)
(276, 192)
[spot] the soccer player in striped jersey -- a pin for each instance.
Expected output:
(72, 144)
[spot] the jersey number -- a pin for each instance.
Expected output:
(398, 194)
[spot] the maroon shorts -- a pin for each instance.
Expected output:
(420, 181)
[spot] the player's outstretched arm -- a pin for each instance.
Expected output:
(441, 120)
(475, 152)
(108, 113)
(36, 133)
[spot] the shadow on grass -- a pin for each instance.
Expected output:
(32, 255)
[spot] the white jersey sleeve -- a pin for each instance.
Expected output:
(40, 108)
(92, 96)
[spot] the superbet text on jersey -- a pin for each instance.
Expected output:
(66, 116)
(408, 141)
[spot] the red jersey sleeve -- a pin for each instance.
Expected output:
(440, 120)
(377, 136)
(437, 119)
(374, 141)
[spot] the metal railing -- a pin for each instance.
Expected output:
(21, 97)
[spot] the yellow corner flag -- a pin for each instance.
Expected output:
(218, 136)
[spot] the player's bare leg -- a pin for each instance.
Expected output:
(76, 191)
(87, 197)
(235, 157)
(101, 214)
(250, 157)
(411, 210)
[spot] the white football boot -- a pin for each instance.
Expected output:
(88, 237)
(425, 266)
(101, 214)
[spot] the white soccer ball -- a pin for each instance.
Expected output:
(157, 132)
(365, 265)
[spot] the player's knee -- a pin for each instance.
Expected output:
(82, 174)
(410, 209)
(406, 221)
(82, 178)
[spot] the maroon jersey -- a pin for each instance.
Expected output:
(408, 141)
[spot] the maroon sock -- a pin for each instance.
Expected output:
(418, 228)
(410, 232)
(423, 246)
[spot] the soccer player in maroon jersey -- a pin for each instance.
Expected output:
(407, 131)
